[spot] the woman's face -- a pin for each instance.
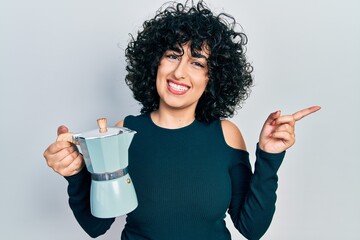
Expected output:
(182, 78)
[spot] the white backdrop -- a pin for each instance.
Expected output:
(62, 62)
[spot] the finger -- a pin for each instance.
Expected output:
(60, 164)
(303, 113)
(286, 119)
(56, 147)
(68, 136)
(273, 116)
(284, 136)
(65, 153)
(62, 129)
(285, 128)
(64, 134)
(55, 159)
(74, 167)
(68, 159)
(70, 165)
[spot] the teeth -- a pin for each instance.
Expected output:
(178, 88)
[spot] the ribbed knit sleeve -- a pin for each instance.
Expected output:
(79, 201)
(254, 194)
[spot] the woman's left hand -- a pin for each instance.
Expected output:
(278, 132)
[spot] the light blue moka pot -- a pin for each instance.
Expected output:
(105, 151)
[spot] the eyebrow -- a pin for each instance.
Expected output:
(199, 55)
(181, 51)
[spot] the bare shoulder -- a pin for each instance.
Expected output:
(232, 135)
(120, 123)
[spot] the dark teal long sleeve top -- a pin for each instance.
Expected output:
(186, 179)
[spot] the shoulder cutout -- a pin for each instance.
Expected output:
(120, 123)
(232, 135)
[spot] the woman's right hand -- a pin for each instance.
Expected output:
(63, 157)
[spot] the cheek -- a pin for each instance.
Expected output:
(157, 84)
(158, 75)
(161, 72)
(160, 84)
(206, 82)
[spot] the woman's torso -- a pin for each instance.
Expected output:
(182, 181)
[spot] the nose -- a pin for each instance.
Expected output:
(180, 70)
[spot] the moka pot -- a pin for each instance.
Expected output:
(105, 151)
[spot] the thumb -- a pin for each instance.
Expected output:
(62, 129)
(65, 135)
(272, 117)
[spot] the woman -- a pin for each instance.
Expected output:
(189, 165)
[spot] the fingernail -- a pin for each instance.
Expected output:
(276, 112)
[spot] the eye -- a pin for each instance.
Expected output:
(199, 64)
(171, 56)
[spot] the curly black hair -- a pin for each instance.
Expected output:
(175, 24)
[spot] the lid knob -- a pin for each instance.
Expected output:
(102, 125)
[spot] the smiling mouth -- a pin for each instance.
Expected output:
(177, 88)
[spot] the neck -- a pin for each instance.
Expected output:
(172, 119)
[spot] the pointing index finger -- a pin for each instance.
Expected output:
(303, 113)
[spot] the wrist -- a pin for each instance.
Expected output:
(271, 152)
